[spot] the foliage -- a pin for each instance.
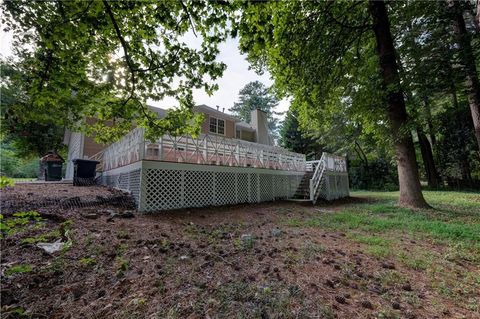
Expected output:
(322, 55)
(5, 182)
(18, 222)
(255, 95)
(293, 138)
(47, 237)
(455, 147)
(102, 59)
(313, 58)
(27, 137)
(13, 165)
(18, 269)
(88, 261)
(379, 174)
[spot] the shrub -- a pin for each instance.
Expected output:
(5, 182)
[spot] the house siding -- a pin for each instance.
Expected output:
(229, 126)
(90, 147)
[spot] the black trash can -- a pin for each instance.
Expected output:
(84, 172)
(53, 171)
(51, 167)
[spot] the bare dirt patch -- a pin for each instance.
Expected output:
(227, 262)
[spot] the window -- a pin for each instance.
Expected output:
(237, 134)
(217, 126)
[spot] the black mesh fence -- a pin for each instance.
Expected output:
(119, 200)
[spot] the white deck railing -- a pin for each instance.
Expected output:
(319, 182)
(206, 149)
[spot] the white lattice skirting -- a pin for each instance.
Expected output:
(336, 186)
(163, 185)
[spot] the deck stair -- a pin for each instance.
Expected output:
(303, 190)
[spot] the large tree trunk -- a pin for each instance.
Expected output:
(468, 60)
(428, 162)
(410, 190)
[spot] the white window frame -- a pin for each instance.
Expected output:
(215, 125)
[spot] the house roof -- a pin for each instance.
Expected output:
(198, 108)
(245, 126)
(215, 112)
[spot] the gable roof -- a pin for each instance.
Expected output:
(210, 110)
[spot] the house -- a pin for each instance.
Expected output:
(230, 162)
(216, 123)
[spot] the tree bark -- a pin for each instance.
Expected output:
(477, 17)
(431, 130)
(428, 162)
(408, 177)
(468, 61)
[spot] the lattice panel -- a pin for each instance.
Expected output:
(74, 151)
(134, 184)
(199, 189)
(254, 188)
(225, 188)
(266, 187)
(163, 189)
(294, 183)
(129, 181)
(281, 186)
(124, 181)
(242, 188)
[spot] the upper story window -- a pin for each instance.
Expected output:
(217, 126)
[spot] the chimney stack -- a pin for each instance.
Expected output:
(218, 107)
(223, 110)
(259, 123)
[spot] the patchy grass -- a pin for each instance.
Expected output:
(436, 242)
(47, 237)
(18, 269)
(460, 224)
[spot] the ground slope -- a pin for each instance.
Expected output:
(360, 258)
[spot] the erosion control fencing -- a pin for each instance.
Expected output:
(54, 197)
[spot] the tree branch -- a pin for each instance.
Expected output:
(189, 17)
(129, 61)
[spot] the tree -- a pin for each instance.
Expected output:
(322, 53)
(255, 95)
(467, 59)
(293, 138)
(28, 137)
(409, 181)
(106, 59)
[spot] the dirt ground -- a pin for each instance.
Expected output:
(226, 262)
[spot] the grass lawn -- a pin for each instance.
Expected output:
(358, 258)
(446, 238)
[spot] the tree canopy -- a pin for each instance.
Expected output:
(255, 95)
(387, 83)
(103, 59)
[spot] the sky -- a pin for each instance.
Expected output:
(235, 77)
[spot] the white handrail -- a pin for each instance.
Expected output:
(205, 149)
(328, 162)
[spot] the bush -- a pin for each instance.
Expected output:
(14, 166)
(379, 175)
(5, 182)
